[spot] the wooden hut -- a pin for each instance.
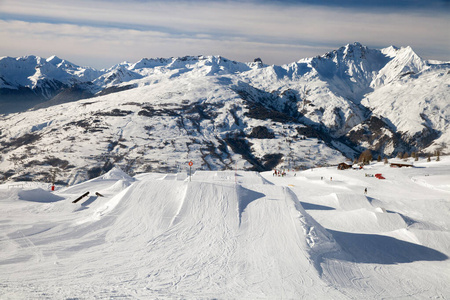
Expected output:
(343, 166)
(401, 164)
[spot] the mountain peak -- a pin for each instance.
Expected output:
(403, 61)
(390, 51)
(61, 63)
(355, 50)
(355, 45)
(54, 60)
(28, 59)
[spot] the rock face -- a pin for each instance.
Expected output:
(156, 114)
(261, 132)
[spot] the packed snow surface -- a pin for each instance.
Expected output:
(312, 234)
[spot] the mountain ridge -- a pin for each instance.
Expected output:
(227, 113)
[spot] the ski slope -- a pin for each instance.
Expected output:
(228, 235)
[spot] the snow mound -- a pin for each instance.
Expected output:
(366, 221)
(352, 201)
(117, 187)
(210, 226)
(116, 174)
(319, 239)
(38, 195)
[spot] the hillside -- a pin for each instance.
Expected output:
(226, 234)
(157, 114)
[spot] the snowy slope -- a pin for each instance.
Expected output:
(417, 104)
(155, 127)
(312, 234)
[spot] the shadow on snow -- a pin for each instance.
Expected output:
(379, 249)
(310, 206)
(89, 201)
(246, 197)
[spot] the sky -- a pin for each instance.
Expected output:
(101, 33)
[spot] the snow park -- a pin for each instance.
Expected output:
(320, 233)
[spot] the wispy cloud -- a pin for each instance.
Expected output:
(102, 33)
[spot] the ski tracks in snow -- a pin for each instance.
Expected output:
(196, 249)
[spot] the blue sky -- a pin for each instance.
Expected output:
(102, 33)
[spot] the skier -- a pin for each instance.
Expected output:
(365, 191)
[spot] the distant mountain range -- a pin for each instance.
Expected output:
(157, 114)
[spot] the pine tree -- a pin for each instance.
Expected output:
(365, 157)
(438, 155)
(379, 158)
(386, 161)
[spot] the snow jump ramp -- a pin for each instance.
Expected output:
(212, 237)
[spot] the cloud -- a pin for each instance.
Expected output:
(103, 47)
(114, 31)
(387, 5)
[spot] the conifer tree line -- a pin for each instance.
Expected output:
(366, 156)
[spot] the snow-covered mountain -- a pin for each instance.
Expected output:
(30, 80)
(157, 114)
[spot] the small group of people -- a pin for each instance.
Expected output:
(279, 173)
